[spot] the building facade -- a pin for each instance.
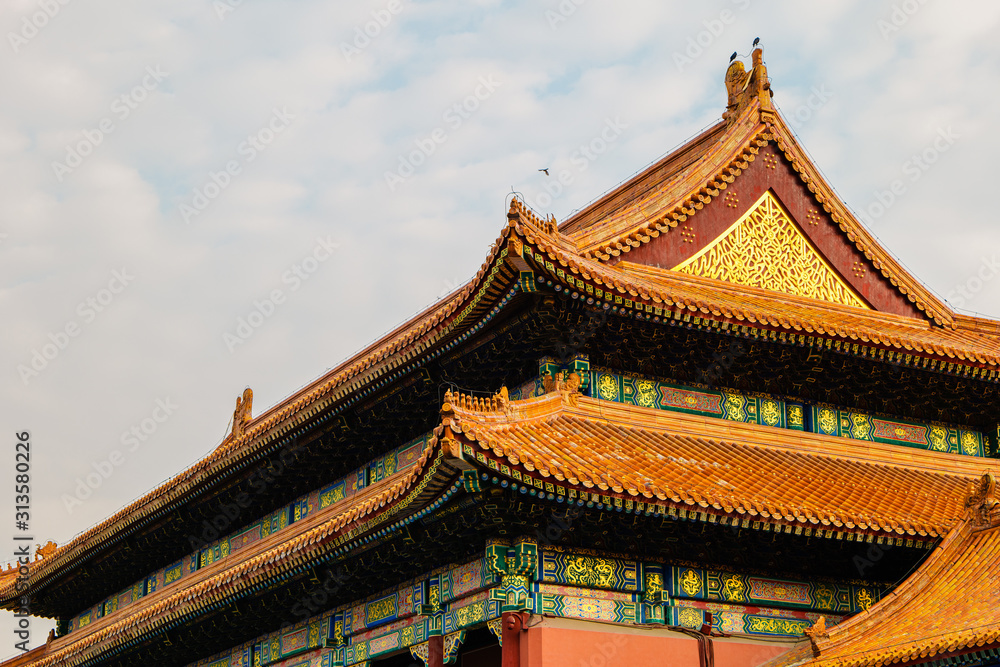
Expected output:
(706, 420)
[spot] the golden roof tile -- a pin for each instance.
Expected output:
(946, 608)
(725, 467)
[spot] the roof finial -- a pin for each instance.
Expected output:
(744, 87)
(242, 413)
(982, 505)
(816, 632)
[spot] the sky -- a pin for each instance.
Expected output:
(197, 196)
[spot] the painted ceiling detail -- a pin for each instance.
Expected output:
(766, 249)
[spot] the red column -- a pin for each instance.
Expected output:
(512, 623)
(435, 651)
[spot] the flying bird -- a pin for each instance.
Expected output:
(545, 170)
(733, 57)
(756, 41)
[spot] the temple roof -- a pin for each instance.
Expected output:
(725, 468)
(947, 608)
(585, 257)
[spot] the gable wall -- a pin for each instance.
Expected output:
(772, 171)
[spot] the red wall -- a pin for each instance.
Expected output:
(543, 646)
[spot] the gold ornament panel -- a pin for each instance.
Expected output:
(766, 249)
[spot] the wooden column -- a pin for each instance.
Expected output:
(512, 624)
(435, 651)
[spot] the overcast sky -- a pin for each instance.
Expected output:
(169, 167)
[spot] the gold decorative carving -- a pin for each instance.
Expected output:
(733, 406)
(982, 506)
(795, 415)
(43, 552)
(733, 589)
(608, 388)
(970, 444)
(568, 385)
(766, 249)
(859, 426)
(654, 586)
(690, 618)
(690, 583)
(828, 421)
(496, 627)
(770, 413)
(824, 597)
(864, 599)
(938, 442)
(743, 87)
(242, 413)
(586, 571)
(646, 395)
